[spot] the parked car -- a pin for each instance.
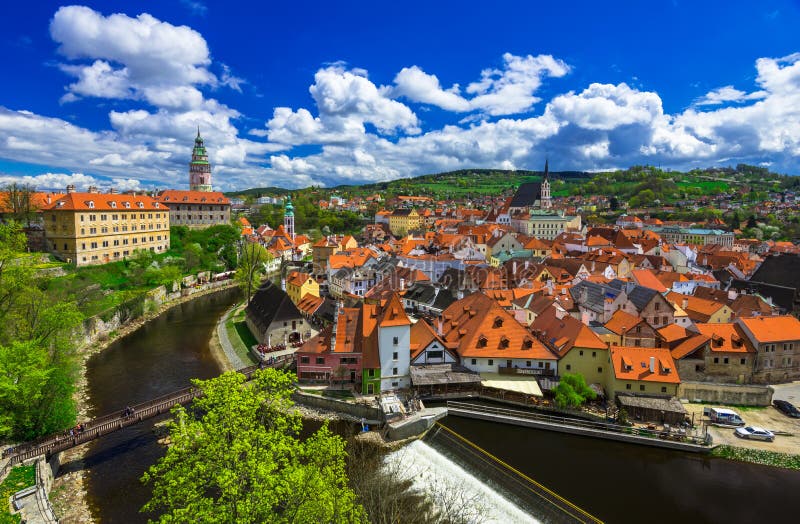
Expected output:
(755, 433)
(787, 408)
(726, 417)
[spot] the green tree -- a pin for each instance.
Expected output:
(237, 457)
(572, 391)
(250, 270)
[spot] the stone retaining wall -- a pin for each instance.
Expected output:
(372, 414)
(732, 394)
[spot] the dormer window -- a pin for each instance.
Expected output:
(127, 205)
(482, 341)
(527, 344)
(185, 198)
(113, 204)
(504, 343)
(498, 322)
(140, 204)
(90, 204)
(155, 204)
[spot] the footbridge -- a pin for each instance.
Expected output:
(101, 426)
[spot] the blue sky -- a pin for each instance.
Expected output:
(299, 93)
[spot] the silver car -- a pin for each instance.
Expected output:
(755, 433)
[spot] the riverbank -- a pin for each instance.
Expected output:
(69, 495)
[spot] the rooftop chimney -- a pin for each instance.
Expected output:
(70, 188)
(685, 303)
(652, 364)
(92, 189)
(112, 191)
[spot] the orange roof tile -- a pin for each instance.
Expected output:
(622, 320)
(297, 278)
(726, 338)
(476, 326)
(105, 202)
(646, 278)
(633, 363)
(177, 196)
(672, 333)
(773, 329)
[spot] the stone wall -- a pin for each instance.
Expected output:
(733, 394)
(371, 413)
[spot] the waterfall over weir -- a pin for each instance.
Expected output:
(456, 473)
(436, 475)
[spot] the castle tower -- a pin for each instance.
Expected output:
(288, 218)
(545, 200)
(199, 168)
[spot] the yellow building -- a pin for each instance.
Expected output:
(401, 221)
(94, 228)
(299, 284)
(544, 226)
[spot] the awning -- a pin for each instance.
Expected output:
(525, 384)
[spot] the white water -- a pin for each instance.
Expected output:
(449, 484)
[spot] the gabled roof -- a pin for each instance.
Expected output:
(566, 333)
(105, 202)
(726, 338)
(622, 321)
(633, 363)
(646, 278)
(177, 196)
(271, 304)
(773, 329)
(640, 296)
(527, 194)
(393, 313)
(297, 278)
(476, 326)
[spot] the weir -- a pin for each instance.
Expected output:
(521, 495)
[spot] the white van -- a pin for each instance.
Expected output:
(724, 416)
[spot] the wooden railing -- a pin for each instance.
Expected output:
(100, 426)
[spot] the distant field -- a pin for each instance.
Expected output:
(705, 185)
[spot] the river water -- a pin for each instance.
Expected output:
(614, 481)
(158, 358)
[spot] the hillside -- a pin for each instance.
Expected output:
(637, 185)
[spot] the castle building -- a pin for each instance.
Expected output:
(199, 168)
(93, 228)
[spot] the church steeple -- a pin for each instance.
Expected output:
(544, 200)
(288, 217)
(199, 168)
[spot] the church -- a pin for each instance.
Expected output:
(200, 206)
(534, 195)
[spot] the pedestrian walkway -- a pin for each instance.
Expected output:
(225, 342)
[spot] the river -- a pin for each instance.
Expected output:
(160, 357)
(614, 481)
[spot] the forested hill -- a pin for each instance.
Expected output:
(450, 184)
(643, 185)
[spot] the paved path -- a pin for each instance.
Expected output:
(224, 341)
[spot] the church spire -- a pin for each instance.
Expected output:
(545, 199)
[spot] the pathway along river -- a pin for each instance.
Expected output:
(614, 481)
